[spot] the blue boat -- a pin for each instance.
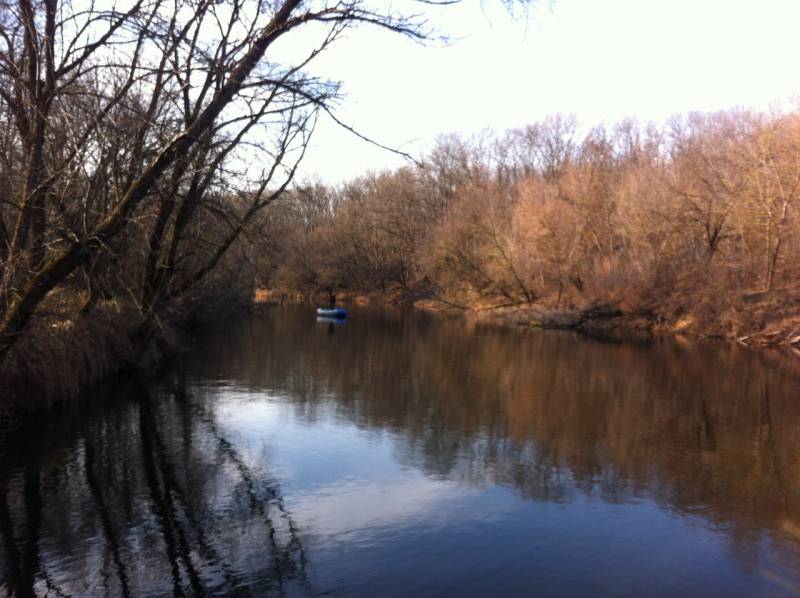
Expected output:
(332, 312)
(332, 321)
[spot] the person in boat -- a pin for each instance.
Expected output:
(331, 299)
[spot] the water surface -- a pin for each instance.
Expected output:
(400, 454)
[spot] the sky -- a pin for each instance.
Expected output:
(601, 60)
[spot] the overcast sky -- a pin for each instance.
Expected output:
(601, 60)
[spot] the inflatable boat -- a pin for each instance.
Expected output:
(332, 312)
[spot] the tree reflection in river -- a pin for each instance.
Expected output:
(157, 492)
(150, 498)
(709, 430)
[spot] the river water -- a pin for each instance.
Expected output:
(405, 455)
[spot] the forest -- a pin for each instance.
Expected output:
(148, 162)
(692, 224)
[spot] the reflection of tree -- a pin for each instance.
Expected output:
(22, 555)
(162, 499)
(151, 501)
(105, 516)
(709, 430)
(288, 557)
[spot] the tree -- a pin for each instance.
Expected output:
(134, 121)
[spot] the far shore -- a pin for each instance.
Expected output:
(601, 320)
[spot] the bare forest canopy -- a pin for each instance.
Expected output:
(693, 222)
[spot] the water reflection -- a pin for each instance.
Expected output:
(148, 497)
(288, 457)
(711, 427)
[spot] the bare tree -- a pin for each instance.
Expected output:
(134, 121)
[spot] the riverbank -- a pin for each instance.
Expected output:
(611, 322)
(61, 356)
(759, 319)
(65, 352)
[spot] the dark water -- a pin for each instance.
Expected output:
(399, 455)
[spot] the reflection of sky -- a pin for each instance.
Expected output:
(375, 526)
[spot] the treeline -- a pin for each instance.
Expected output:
(693, 223)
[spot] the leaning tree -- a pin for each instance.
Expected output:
(139, 141)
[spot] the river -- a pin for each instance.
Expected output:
(400, 454)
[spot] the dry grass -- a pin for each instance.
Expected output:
(59, 357)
